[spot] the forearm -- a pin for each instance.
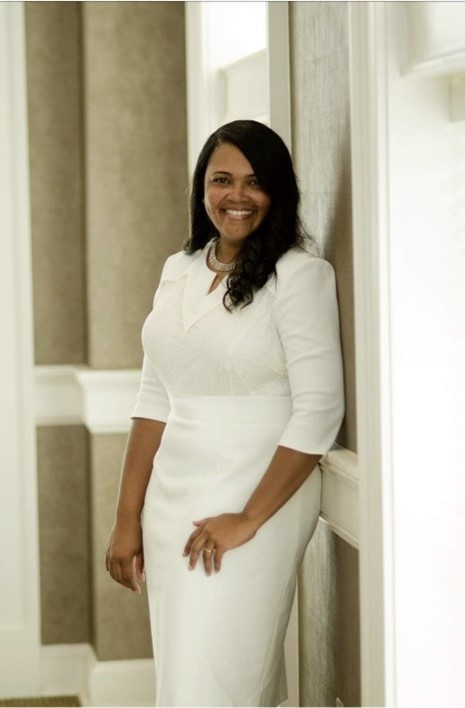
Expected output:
(143, 442)
(287, 471)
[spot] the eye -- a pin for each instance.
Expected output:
(255, 183)
(220, 180)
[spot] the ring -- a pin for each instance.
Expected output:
(208, 550)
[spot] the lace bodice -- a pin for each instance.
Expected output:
(220, 354)
(286, 343)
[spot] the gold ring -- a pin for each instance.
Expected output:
(208, 550)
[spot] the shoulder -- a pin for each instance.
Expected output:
(298, 267)
(177, 265)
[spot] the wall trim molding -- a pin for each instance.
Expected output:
(339, 495)
(108, 398)
(73, 669)
(101, 400)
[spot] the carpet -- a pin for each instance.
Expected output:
(51, 701)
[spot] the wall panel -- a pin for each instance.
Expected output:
(64, 518)
(107, 112)
(328, 584)
(329, 622)
(121, 621)
(54, 76)
(321, 147)
(136, 166)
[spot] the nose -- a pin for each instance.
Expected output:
(237, 192)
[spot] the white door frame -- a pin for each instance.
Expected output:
(367, 49)
(19, 585)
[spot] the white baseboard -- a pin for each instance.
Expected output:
(65, 669)
(73, 670)
(123, 683)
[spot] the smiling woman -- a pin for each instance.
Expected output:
(234, 199)
(241, 395)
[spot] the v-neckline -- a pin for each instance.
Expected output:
(198, 299)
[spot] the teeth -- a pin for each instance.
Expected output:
(239, 212)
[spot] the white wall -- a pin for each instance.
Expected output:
(427, 236)
(410, 277)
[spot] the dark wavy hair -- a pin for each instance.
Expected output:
(281, 228)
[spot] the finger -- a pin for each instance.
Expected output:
(139, 566)
(128, 574)
(200, 522)
(218, 559)
(196, 547)
(120, 574)
(115, 571)
(195, 534)
(208, 555)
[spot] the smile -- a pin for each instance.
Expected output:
(238, 213)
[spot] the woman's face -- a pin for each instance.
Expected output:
(234, 200)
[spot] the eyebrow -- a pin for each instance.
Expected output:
(224, 172)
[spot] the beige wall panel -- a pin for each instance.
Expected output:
(328, 583)
(121, 620)
(321, 148)
(329, 622)
(136, 157)
(53, 44)
(64, 534)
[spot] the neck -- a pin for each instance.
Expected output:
(226, 252)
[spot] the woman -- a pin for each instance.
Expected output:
(241, 395)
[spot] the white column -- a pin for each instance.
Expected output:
(19, 584)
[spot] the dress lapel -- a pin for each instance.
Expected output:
(197, 301)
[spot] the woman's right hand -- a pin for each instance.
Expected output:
(125, 556)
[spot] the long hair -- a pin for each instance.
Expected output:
(281, 228)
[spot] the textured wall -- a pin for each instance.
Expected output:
(64, 524)
(321, 147)
(329, 622)
(108, 166)
(53, 42)
(136, 167)
(328, 584)
(121, 621)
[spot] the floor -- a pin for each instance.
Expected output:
(51, 701)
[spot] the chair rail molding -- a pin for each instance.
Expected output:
(102, 400)
(437, 48)
(19, 587)
(339, 494)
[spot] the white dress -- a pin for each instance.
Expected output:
(231, 388)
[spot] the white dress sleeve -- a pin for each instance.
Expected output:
(152, 399)
(306, 316)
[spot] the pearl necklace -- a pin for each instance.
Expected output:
(215, 264)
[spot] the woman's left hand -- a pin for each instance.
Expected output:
(216, 535)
